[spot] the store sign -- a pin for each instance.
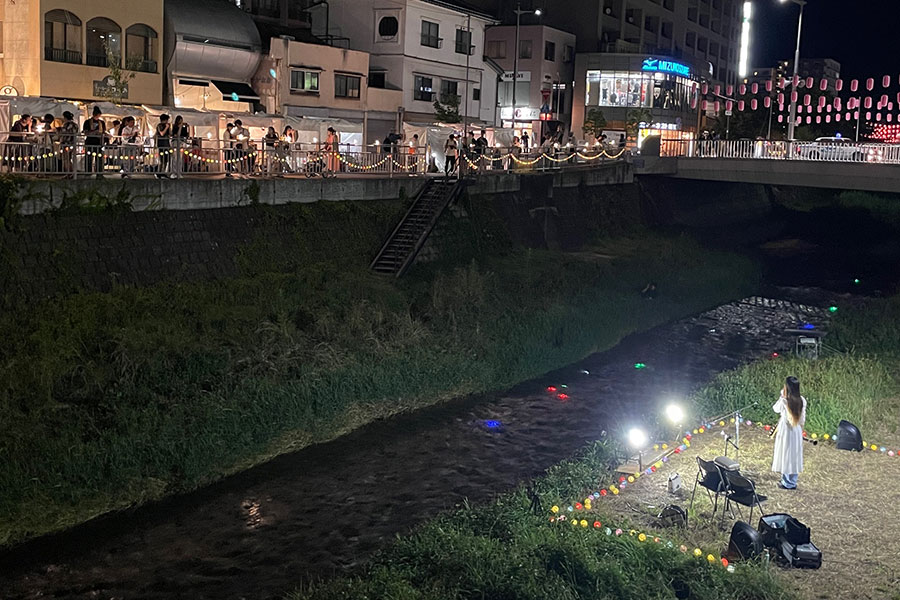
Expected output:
(520, 76)
(106, 87)
(666, 66)
(8, 90)
(522, 113)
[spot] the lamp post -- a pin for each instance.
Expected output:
(793, 118)
(519, 12)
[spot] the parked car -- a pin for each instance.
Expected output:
(836, 149)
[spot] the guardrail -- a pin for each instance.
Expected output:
(76, 156)
(844, 152)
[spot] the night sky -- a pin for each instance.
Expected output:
(860, 34)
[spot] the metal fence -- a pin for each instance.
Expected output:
(76, 156)
(827, 151)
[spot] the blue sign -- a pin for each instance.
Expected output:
(666, 66)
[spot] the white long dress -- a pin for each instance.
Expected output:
(788, 440)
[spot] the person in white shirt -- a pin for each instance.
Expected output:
(788, 459)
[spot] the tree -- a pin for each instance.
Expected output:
(594, 123)
(634, 118)
(446, 110)
(115, 88)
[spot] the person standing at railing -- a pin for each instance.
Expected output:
(526, 141)
(130, 136)
(332, 151)
(163, 135)
(413, 160)
(19, 148)
(285, 149)
(241, 137)
(94, 130)
(181, 139)
(44, 138)
(227, 149)
(451, 147)
(270, 145)
(67, 134)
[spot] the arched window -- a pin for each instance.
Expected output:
(62, 37)
(141, 43)
(103, 35)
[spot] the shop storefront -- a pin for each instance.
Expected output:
(619, 84)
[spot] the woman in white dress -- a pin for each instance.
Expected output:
(788, 458)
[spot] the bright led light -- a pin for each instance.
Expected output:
(637, 438)
(538, 12)
(743, 65)
(675, 414)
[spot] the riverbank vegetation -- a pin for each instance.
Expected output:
(508, 550)
(110, 400)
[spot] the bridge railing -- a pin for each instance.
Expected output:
(826, 151)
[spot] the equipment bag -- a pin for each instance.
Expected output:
(796, 532)
(801, 556)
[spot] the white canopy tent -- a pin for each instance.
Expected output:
(203, 124)
(433, 137)
(315, 129)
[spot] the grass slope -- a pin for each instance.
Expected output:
(108, 400)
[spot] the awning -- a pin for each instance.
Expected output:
(232, 89)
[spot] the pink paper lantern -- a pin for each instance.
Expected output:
(837, 117)
(839, 85)
(821, 101)
(754, 88)
(740, 105)
(854, 85)
(769, 85)
(810, 82)
(884, 99)
(808, 120)
(796, 81)
(742, 89)
(718, 89)
(828, 118)
(828, 108)
(886, 81)
(705, 105)
(781, 98)
(780, 118)
(729, 105)
(794, 97)
(878, 117)
(823, 85)
(869, 116)
(868, 102)
(807, 99)
(767, 101)
(870, 84)
(856, 114)
(718, 105)
(753, 104)
(729, 90)
(705, 89)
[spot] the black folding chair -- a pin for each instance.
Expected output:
(709, 476)
(742, 491)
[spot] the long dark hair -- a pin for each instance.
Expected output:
(793, 399)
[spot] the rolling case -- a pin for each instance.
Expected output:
(802, 556)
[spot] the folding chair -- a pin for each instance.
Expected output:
(709, 476)
(742, 491)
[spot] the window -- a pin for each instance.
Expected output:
(62, 37)
(449, 89)
(669, 4)
(496, 49)
(549, 51)
(304, 81)
(524, 48)
(423, 90)
(667, 29)
(463, 41)
(690, 39)
(476, 94)
(346, 86)
(692, 14)
(377, 79)
(388, 27)
(430, 33)
(103, 35)
(702, 44)
(141, 44)
(568, 53)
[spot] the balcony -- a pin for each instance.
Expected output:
(146, 66)
(97, 59)
(62, 55)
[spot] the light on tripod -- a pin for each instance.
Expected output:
(675, 414)
(637, 438)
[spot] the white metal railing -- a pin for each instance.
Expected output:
(77, 156)
(827, 151)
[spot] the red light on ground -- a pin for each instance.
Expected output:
(562, 396)
(551, 388)
(774, 355)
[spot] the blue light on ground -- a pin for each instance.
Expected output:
(808, 326)
(491, 424)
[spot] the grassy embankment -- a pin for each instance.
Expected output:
(108, 400)
(502, 550)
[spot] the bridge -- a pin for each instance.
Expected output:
(833, 164)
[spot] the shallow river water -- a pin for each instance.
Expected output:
(325, 509)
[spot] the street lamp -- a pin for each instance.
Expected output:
(793, 118)
(519, 12)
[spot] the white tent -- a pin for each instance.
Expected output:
(315, 129)
(38, 107)
(204, 124)
(433, 137)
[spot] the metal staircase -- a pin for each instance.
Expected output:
(407, 239)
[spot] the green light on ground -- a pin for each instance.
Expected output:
(640, 366)
(856, 281)
(832, 309)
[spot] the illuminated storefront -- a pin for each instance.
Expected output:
(618, 84)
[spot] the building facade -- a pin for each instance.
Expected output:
(623, 85)
(63, 49)
(328, 84)
(429, 49)
(543, 81)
